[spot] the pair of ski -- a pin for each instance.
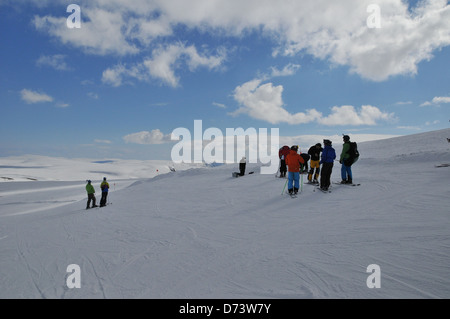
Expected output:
(292, 195)
(338, 183)
(323, 190)
(318, 187)
(98, 207)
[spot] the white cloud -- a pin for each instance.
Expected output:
(306, 141)
(56, 61)
(101, 31)
(288, 70)
(432, 123)
(336, 31)
(62, 104)
(32, 97)
(93, 95)
(162, 65)
(265, 102)
(348, 115)
(165, 60)
(223, 106)
(404, 103)
(416, 128)
(441, 99)
(438, 100)
(146, 137)
(333, 30)
(113, 76)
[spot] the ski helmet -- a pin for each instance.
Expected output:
(294, 148)
(346, 138)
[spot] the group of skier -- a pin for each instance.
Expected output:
(291, 162)
(296, 164)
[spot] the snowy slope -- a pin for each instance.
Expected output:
(43, 168)
(200, 233)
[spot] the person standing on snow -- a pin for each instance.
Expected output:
(282, 153)
(294, 161)
(105, 188)
(327, 161)
(91, 195)
(242, 165)
(314, 152)
(346, 169)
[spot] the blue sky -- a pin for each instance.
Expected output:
(136, 70)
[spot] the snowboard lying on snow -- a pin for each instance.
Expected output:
(237, 174)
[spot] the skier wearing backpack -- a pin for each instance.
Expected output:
(348, 157)
(327, 162)
(294, 161)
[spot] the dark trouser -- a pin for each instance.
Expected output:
(242, 169)
(283, 168)
(90, 197)
(103, 200)
(325, 176)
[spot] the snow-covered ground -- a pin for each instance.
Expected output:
(199, 233)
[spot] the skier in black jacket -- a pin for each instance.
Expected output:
(314, 151)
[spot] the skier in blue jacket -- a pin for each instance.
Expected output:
(327, 161)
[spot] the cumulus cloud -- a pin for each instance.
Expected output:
(336, 31)
(101, 32)
(162, 65)
(263, 101)
(146, 137)
(32, 97)
(348, 115)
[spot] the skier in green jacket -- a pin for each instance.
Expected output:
(91, 195)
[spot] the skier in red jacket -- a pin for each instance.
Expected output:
(294, 162)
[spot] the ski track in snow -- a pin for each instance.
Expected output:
(202, 234)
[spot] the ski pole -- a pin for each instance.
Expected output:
(301, 185)
(284, 187)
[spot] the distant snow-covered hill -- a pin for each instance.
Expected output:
(43, 168)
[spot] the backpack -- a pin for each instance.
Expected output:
(353, 153)
(284, 151)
